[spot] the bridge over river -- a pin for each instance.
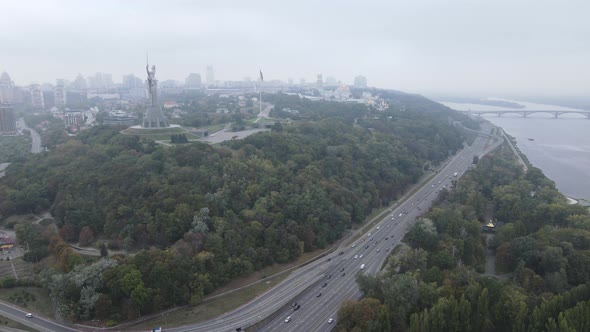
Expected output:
(526, 113)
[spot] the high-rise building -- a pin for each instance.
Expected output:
(360, 82)
(210, 76)
(331, 81)
(320, 81)
(131, 81)
(79, 83)
(193, 80)
(6, 88)
(37, 99)
(59, 94)
(100, 81)
(7, 119)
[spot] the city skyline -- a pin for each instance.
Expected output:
(424, 46)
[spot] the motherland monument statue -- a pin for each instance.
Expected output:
(154, 116)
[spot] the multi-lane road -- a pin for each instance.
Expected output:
(321, 286)
(36, 322)
(337, 271)
(320, 303)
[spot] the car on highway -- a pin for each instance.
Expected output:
(378, 250)
(400, 214)
(331, 320)
(325, 284)
(378, 227)
(369, 235)
(294, 304)
(361, 256)
(297, 307)
(330, 276)
(341, 253)
(319, 294)
(29, 315)
(288, 319)
(353, 245)
(388, 226)
(356, 256)
(362, 266)
(343, 274)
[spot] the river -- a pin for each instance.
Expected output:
(559, 147)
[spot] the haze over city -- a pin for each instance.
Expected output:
(500, 47)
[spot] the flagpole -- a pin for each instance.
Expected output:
(260, 93)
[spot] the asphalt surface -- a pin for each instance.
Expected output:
(35, 137)
(36, 322)
(306, 283)
(338, 281)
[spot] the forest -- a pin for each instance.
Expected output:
(437, 280)
(201, 215)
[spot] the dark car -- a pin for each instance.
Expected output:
(319, 294)
(341, 253)
(325, 284)
(343, 274)
(297, 307)
(342, 269)
(330, 276)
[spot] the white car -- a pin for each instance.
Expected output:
(354, 245)
(331, 320)
(29, 315)
(400, 214)
(369, 235)
(356, 256)
(288, 319)
(361, 256)
(378, 227)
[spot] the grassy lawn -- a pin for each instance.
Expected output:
(34, 299)
(213, 128)
(15, 325)
(211, 308)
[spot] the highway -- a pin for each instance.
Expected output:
(304, 285)
(321, 302)
(36, 322)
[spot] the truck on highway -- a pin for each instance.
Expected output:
(362, 266)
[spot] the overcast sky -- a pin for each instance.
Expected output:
(439, 46)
